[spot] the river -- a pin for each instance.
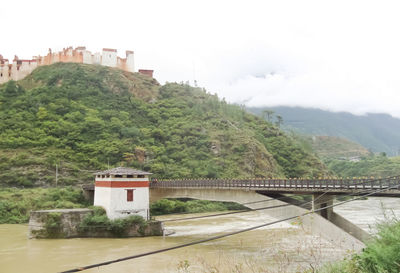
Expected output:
(283, 247)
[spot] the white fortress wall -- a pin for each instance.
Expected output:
(130, 62)
(109, 58)
(87, 57)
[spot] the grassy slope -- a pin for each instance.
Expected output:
(84, 118)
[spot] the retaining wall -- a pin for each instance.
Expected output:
(64, 223)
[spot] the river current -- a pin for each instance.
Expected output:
(283, 247)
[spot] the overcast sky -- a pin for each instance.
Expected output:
(336, 55)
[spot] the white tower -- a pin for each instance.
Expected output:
(122, 192)
(109, 57)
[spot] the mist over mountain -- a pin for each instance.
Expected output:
(376, 132)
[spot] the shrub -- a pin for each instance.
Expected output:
(52, 225)
(99, 221)
(383, 253)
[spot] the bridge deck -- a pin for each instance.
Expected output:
(294, 186)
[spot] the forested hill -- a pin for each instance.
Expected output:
(377, 132)
(329, 147)
(83, 118)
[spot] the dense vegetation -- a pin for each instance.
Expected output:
(83, 118)
(329, 147)
(382, 254)
(374, 165)
(378, 132)
(169, 206)
(16, 204)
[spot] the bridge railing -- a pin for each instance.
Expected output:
(329, 183)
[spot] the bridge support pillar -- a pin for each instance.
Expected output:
(320, 201)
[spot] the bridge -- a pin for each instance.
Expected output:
(254, 193)
(334, 186)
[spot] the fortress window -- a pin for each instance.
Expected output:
(140, 176)
(129, 176)
(129, 195)
(118, 176)
(1, 74)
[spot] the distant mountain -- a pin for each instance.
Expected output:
(376, 132)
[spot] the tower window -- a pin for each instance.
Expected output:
(129, 195)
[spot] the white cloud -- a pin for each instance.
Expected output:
(337, 55)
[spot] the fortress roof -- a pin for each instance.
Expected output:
(123, 170)
(109, 49)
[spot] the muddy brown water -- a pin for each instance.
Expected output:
(283, 247)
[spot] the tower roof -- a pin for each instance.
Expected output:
(123, 170)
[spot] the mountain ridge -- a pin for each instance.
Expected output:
(377, 132)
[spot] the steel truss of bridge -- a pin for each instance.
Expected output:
(358, 186)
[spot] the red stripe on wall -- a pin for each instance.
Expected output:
(122, 184)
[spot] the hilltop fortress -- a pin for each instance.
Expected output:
(19, 69)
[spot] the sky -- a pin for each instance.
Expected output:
(334, 55)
